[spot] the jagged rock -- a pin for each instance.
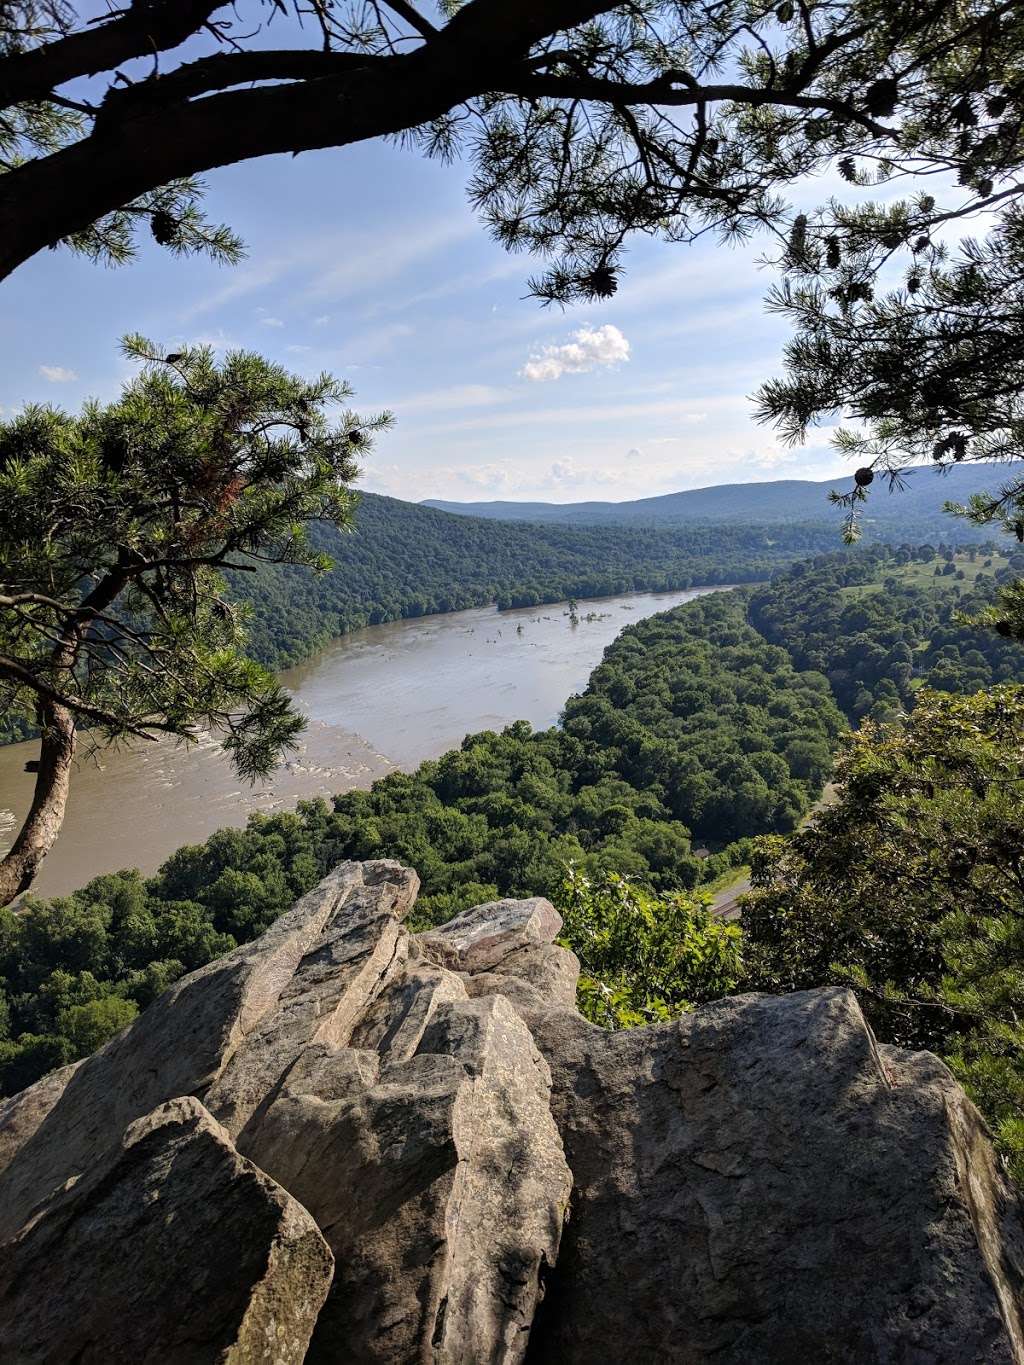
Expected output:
(755, 1182)
(428, 1155)
(483, 937)
(507, 948)
(441, 1187)
(320, 1002)
(179, 1046)
(172, 1249)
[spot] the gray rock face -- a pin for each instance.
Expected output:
(349, 1143)
(778, 1192)
(107, 1268)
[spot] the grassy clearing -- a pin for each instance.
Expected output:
(915, 575)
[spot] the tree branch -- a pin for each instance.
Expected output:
(139, 31)
(666, 93)
(227, 69)
(331, 100)
(412, 17)
(24, 677)
(45, 200)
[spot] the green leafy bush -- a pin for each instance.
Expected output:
(644, 957)
(910, 889)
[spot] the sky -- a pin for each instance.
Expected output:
(368, 262)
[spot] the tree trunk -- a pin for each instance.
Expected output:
(46, 814)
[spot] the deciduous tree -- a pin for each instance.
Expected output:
(910, 889)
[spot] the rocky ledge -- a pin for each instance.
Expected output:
(346, 1142)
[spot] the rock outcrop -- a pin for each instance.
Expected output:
(350, 1143)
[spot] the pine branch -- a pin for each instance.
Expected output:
(138, 31)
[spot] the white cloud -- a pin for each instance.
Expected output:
(271, 322)
(588, 349)
(774, 457)
(567, 473)
(491, 478)
(57, 374)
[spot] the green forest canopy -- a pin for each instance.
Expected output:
(694, 728)
(909, 889)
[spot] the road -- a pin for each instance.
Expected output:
(725, 903)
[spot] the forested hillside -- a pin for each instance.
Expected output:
(879, 624)
(695, 730)
(403, 560)
(914, 514)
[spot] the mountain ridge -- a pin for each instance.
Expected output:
(774, 500)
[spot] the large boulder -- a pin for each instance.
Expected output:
(179, 1046)
(172, 1248)
(755, 1182)
(494, 1178)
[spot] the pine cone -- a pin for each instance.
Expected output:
(164, 226)
(602, 282)
(881, 97)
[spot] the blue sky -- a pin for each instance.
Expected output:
(367, 261)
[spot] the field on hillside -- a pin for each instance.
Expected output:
(917, 575)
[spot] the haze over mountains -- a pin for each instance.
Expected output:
(916, 511)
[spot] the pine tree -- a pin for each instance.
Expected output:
(116, 527)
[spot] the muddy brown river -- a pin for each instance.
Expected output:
(381, 698)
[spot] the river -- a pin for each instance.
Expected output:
(382, 698)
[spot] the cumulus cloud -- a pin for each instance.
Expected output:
(589, 348)
(491, 478)
(567, 474)
(57, 374)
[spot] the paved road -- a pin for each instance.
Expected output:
(725, 904)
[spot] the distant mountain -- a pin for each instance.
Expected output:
(913, 514)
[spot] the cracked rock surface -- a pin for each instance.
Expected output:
(348, 1143)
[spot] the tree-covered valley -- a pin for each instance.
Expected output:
(702, 728)
(402, 560)
(398, 560)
